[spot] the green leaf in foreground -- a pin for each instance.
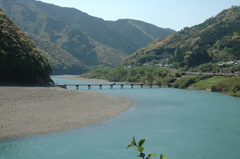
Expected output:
(163, 157)
(132, 143)
(141, 142)
(140, 148)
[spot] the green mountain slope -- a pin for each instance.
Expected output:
(20, 60)
(218, 38)
(140, 33)
(115, 34)
(89, 40)
(32, 20)
(62, 62)
(91, 26)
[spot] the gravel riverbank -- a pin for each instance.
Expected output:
(35, 110)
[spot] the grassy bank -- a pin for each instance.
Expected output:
(224, 84)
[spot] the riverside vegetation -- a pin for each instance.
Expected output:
(166, 76)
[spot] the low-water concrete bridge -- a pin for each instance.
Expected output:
(101, 85)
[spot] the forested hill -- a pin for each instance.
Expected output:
(79, 46)
(88, 41)
(140, 33)
(20, 61)
(218, 38)
(62, 62)
(121, 35)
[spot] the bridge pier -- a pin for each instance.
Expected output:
(122, 86)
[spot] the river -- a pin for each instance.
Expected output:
(183, 124)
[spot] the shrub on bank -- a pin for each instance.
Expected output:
(186, 81)
(230, 85)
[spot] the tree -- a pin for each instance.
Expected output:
(150, 77)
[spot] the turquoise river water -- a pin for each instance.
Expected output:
(183, 124)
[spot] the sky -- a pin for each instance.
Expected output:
(173, 14)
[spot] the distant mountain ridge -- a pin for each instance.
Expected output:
(114, 34)
(140, 33)
(218, 38)
(89, 40)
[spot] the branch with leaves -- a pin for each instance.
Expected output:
(140, 148)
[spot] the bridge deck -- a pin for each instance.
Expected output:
(111, 85)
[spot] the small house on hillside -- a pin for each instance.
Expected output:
(159, 65)
(128, 67)
(237, 63)
(225, 70)
(237, 73)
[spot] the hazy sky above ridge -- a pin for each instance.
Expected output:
(174, 14)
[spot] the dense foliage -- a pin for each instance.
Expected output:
(20, 60)
(218, 38)
(142, 74)
(206, 67)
